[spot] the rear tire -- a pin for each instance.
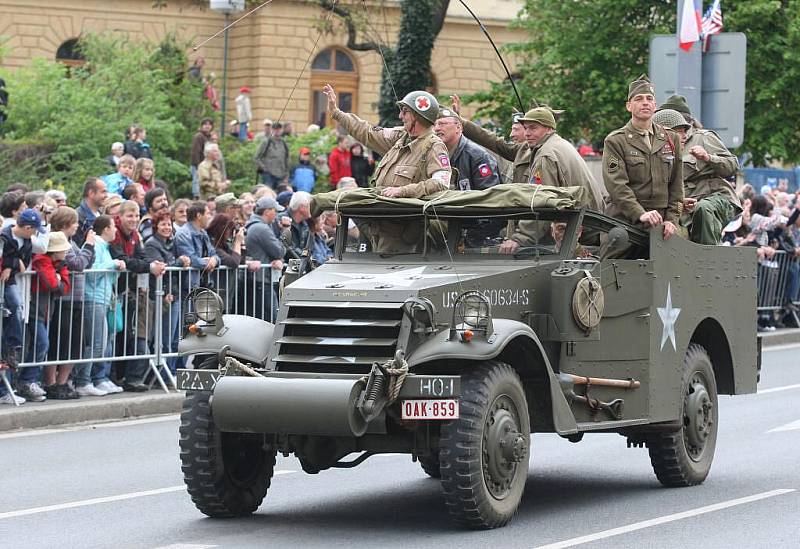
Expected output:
(484, 454)
(684, 457)
(227, 474)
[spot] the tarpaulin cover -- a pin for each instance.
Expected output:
(510, 196)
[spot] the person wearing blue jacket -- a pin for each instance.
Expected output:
(303, 176)
(99, 295)
(192, 240)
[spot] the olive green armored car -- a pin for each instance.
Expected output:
(425, 334)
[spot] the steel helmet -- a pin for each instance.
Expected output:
(671, 119)
(422, 103)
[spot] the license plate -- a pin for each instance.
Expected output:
(429, 409)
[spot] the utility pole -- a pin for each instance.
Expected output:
(690, 67)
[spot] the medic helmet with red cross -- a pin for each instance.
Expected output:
(422, 103)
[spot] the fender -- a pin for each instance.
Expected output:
(249, 339)
(439, 347)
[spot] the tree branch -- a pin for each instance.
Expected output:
(352, 32)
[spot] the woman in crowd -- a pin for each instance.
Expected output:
(320, 250)
(144, 173)
(179, 209)
(360, 166)
(228, 241)
(99, 308)
(67, 327)
(248, 204)
(112, 205)
(161, 247)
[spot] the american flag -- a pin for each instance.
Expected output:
(712, 23)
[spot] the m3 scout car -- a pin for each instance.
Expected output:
(449, 351)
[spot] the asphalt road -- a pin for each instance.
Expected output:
(119, 485)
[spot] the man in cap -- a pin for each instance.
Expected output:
(226, 203)
(640, 171)
(677, 103)
(710, 201)
(261, 240)
(415, 161)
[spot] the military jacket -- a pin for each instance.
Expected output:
(518, 153)
(210, 178)
(640, 178)
(557, 163)
(477, 169)
(701, 178)
(407, 162)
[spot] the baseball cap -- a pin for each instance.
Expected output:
(268, 203)
(30, 217)
(227, 199)
(244, 89)
(268, 122)
(305, 150)
(284, 198)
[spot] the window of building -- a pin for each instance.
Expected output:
(336, 67)
(70, 53)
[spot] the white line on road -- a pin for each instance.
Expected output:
(108, 425)
(793, 426)
(665, 519)
(97, 501)
(776, 389)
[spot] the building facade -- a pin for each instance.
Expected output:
(267, 52)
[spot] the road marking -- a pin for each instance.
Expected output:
(186, 546)
(106, 425)
(97, 501)
(793, 426)
(776, 389)
(665, 519)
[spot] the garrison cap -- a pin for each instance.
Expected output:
(676, 103)
(446, 113)
(516, 116)
(671, 119)
(542, 115)
(640, 85)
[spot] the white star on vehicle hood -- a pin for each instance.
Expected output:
(398, 278)
(669, 315)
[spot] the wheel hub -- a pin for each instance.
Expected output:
(698, 418)
(504, 447)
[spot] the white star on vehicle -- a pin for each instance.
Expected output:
(398, 278)
(669, 315)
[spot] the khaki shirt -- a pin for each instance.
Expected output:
(640, 178)
(701, 178)
(209, 175)
(407, 162)
(518, 153)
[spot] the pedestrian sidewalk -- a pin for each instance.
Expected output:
(53, 413)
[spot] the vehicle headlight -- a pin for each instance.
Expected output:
(207, 306)
(472, 313)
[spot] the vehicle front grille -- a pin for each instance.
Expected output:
(336, 337)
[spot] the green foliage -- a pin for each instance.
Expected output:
(410, 61)
(80, 111)
(581, 55)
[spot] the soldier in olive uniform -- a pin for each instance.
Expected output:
(415, 162)
(710, 201)
(642, 170)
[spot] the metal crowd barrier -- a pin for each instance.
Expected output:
(774, 280)
(144, 335)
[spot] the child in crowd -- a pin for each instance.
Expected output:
(51, 280)
(144, 173)
(304, 174)
(117, 181)
(99, 308)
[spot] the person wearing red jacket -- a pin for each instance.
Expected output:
(339, 161)
(51, 280)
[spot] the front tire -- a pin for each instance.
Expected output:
(484, 454)
(227, 474)
(683, 457)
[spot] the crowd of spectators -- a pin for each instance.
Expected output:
(72, 276)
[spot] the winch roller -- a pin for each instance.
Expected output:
(288, 406)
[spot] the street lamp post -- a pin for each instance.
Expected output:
(226, 7)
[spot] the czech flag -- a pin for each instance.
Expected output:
(690, 26)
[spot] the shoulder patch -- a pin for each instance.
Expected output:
(484, 170)
(613, 164)
(444, 160)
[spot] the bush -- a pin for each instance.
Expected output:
(78, 112)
